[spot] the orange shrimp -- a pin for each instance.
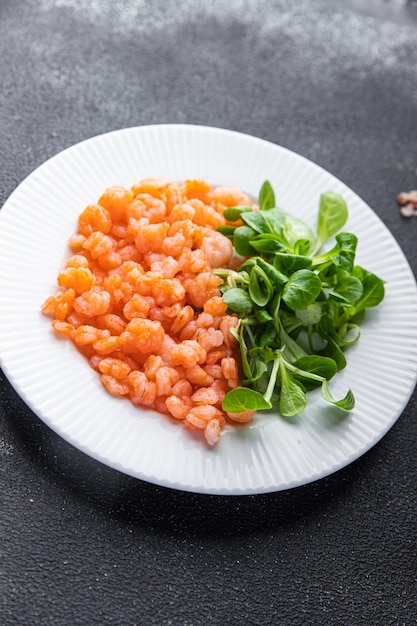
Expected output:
(93, 302)
(94, 218)
(116, 200)
(217, 248)
(142, 335)
(142, 391)
(114, 367)
(78, 278)
(188, 353)
(212, 432)
(178, 407)
(204, 287)
(139, 299)
(242, 418)
(60, 304)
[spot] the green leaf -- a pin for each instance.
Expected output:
(333, 214)
(233, 214)
(292, 349)
(289, 298)
(271, 221)
(292, 398)
(258, 368)
(289, 263)
(263, 316)
(373, 289)
(349, 288)
(256, 221)
(302, 289)
(244, 399)
(268, 336)
(266, 197)
(227, 231)
(342, 255)
(347, 403)
(333, 351)
(260, 287)
(275, 220)
(347, 243)
(276, 277)
(310, 315)
(296, 230)
(302, 246)
(241, 240)
(237, 299)
(318, 365)
(267, 243)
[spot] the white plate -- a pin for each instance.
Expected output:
(271, 453)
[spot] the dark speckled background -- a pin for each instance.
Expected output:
(82, 544)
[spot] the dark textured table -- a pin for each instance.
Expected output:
(82, 544)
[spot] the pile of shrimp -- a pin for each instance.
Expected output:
(139, 299)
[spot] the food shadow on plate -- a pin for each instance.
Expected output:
(89, 483)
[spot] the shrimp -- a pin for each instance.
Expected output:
(182, 388)
(77, 260)
(217, 248)
(183, 317)
(78, 278)
(227, 323)
(86, 334)
(198, 376)
(206, 395)
(197, 188)
(107, 345)
(93, 302)
(199, 416)
(142, 335)
(174, 245)
(231, 196)
(140, 300)
(205, 215)
(152, 186)
(98, 244)
(167, 267)
(152, 365)
(174, 194)
(138, 306)
(109, 260)
(112, 322)
(178, 407)
(114, 386)
(230, 371)
(63, 328)
(94, 218)
(209, 339)
(203, 287)
(188, 353)
(116, 200)
(59, 305)
(141, 390)
(114, 367)
(215, 306)
(150, 237)
(212, 432)
(155, 208)
(165, 378)
(243, 417)
(181, 212)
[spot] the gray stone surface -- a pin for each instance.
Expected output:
(82, 544)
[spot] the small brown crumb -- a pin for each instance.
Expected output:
(408, 210)
(408, 203)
